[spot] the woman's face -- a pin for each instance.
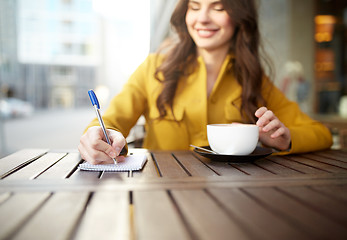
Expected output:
(209, 24)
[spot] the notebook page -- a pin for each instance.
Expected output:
(131, 163)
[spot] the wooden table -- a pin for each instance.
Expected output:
(178, 195)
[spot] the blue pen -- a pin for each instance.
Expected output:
(96, 106)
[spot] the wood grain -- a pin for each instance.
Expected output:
(18, 159)
(107, 217)
(177, 195)
(156, 217)
(57, 218)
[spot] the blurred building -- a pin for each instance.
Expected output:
(48, 50)
(9, 65)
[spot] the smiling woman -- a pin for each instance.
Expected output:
(213, 74)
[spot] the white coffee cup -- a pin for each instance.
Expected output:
(233, 139)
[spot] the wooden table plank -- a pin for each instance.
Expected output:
(17, 159)
(156, 217)
(301, 216)
(316, 164)
(4, 196)
(328, 160)
(37, 167)
(85, 175)
(297, 166)
(254, 217)
(194, 166)
(221, 168)
(333, 154)
(336, 155)
(107, 217)
(321, 203)
(276, 168)
(63, 168)
(168, 183)
(338, 192)
(57, 218)
(17, 210)
(206, 218)
(149, 169)
(251, 169)
(167, 165)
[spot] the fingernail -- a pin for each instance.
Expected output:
(118, 150)
(113, 154)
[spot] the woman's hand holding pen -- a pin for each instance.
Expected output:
(272, 132)
(95, 150)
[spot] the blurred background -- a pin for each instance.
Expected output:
(53, 51)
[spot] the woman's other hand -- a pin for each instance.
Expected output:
(94, 148)
(272, 132)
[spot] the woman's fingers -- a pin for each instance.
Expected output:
(117, 139)
(93, 155)
(260, 112)
(265, 116)
(272, 125)
(279, 132)
(94, 148)
(267, 121)
(272, 132)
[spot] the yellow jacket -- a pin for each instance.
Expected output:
(194, 110)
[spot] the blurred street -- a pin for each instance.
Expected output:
(51, 129)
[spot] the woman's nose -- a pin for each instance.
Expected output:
(203, 15)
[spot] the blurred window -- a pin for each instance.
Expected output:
(92, 37)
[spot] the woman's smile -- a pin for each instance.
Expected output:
(209, 25)
(206, 33)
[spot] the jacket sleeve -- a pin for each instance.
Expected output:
(307, 134)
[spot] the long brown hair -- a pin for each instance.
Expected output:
(245, 45)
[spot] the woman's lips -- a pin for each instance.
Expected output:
(205, 33)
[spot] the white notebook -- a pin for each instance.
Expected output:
(131, 163)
